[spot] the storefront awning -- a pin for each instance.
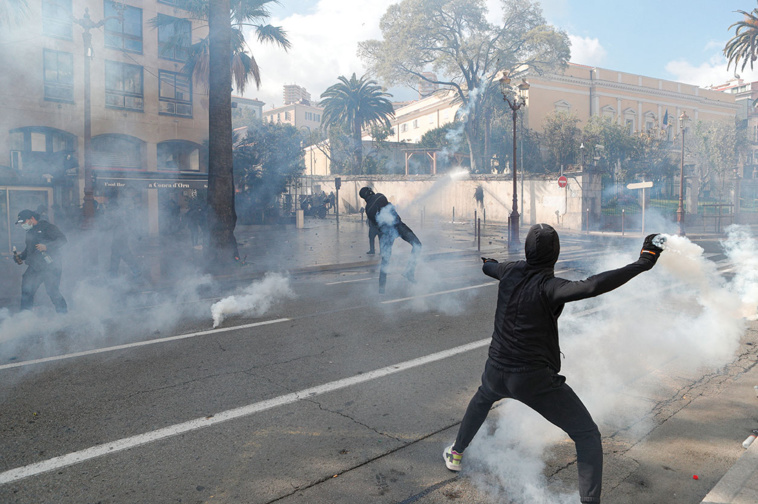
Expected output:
(108, 181)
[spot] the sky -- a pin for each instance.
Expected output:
(678, 40)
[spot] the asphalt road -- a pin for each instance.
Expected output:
(338, 395)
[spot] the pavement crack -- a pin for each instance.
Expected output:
(322, 408)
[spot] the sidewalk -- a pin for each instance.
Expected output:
(740, 484)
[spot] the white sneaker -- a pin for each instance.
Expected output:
(452, 459)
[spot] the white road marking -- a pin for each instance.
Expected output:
(348, 281)
(203, 422)
(139, 344)
(390, 301)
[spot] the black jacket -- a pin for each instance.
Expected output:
(530, 300)
(49, 235)
(374, 205)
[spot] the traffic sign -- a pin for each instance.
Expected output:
(562, 181)
(639, 185)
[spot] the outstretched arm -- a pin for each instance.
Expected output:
(566, 291)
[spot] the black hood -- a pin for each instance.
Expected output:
(542, 246)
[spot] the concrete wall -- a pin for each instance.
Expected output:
(541, 200)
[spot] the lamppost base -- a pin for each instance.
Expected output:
(514, 244)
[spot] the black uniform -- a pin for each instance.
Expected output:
(44, 267)
(382, 214)
(524, 356)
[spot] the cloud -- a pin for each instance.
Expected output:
(713, 71)
(324, 46)
(587, 51)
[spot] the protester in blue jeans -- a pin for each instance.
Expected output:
(381, 214)
(525, 355)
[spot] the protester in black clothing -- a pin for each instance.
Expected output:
(373, 232)
(524, 355)
(382, 214)
(42, 255)
(120, 227)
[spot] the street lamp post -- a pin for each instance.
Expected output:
(515, 103)
(87, 24)
(683, 119)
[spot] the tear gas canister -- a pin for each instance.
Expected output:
(659, 241)
(746, 443)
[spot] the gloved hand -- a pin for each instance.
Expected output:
(487, 259)
(650, 252)
(18, 259)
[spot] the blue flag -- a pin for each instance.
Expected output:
(666, 119)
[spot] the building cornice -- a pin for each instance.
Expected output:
(636, 89)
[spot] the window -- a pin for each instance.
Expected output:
(117, 151)
(286, 116)
(630, 126)
(630, 121)
(59, 76)
(123, 86)
(178, 155)
(173, 37)
(42, 149)
(56, 18)
(609, 112)
(403, 128)
(127, 34)
(415, 123)
(175, 94)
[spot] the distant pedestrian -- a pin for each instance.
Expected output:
(525, 355)
(119, 224)
(43, 258)
(196, 219)
(382, 214)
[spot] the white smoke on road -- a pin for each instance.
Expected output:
(255, 300)
(679, 319)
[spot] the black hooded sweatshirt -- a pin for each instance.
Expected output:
(530, 299)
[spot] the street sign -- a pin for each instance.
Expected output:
(639, 185)
(562, 181)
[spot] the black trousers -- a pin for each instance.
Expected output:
(373, 232)
(33, 278)
(545, 392)
(387, 236)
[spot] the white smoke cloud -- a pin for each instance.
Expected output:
(255, 300)
(681, 317)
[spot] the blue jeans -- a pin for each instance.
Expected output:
(546, 393)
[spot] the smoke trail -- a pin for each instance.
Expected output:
(678, 319)
(256, 299)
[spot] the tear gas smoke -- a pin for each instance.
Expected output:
(676, 320)
(255, 300)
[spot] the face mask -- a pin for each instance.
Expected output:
(26, 227)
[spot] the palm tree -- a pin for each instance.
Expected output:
(214, 61)
(357, 104)
(744, 45)
(245, 14)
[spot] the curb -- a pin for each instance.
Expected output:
(739, 484)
